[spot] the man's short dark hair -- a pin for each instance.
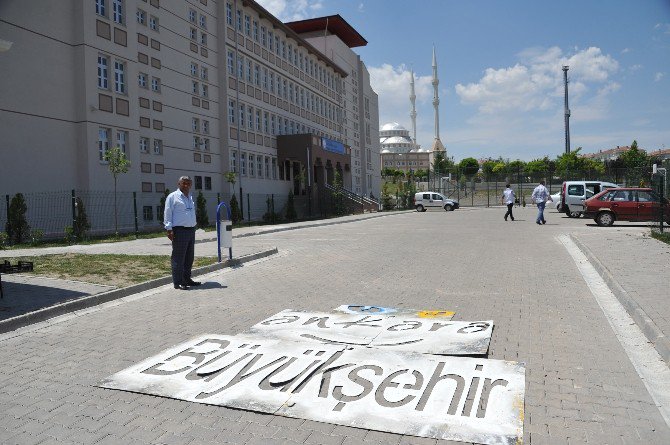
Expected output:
(507, 185)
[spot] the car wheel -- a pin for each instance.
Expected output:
(419, 208)
(605, 219)
(448, 208)
(575, 214)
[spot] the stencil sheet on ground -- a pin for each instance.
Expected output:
(402, 332)
(453, 398)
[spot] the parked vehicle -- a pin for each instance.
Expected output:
(626, 204)
(555, 202)
(433, 200)
(574, 193)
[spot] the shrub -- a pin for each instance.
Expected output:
(201, 210)
(3, 240)
(17, 227)
(69, 235)
(291, 214)
(270, 215)
(81, 224)
(235, 212)
(36, 236)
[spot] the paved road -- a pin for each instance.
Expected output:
(581, 387)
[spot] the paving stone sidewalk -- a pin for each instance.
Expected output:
(640, 266)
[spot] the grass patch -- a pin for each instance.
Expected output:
(664, 237)
(109, 269)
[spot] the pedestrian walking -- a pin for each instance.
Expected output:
(179, 220)
(539, 197)
(508, 199)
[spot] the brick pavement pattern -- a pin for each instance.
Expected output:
(580, 385)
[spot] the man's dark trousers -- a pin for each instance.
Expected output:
(182, 254)
(509, 211)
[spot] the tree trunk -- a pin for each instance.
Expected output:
(116, 213)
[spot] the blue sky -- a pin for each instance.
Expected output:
(499, 65)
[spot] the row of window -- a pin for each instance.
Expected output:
(400, 163)
(197, 128)
(258, 165)
(281, 47)
(145, 143)
(118, 13)
(143, 82)
(274, 83)
(119, 67)
(256, 119)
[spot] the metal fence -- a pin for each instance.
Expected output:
(52, 214)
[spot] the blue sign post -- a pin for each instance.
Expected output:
(227, 239)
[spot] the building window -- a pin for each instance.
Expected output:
(198, 182)
(196, 143)
(252, 165)
(233, 161)
(141, 17)
(142, 80)
(156, 84)
(243, 164)
(159, 186)
(205, 127)
(250, 118)
(195, 88)
(239, 20)
(259, 166)
(247, 25)
(192, 15)
(194, 69)
(242, 115)
(119, 77)
(272, 125)
(194, 34)
(230, 62)
(229, 14)
(122, 140)
(117, 11)
(144, 145)
(231, 111)
(266, 124)
(147, 187)
(263, 32)
(204, 74)
(270, 40)
(203, 22)
(258, 120)
(158, 147)
(153, 23)
(205, 144)
(103, 76)
(208, 183)
(103, 142)
(195, 124)
(100, 8)
(148, 213)
(256, 31)
(203, 39)
(205, 90)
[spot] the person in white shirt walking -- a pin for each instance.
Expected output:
(540, 196)
(508, 198)
(179, 220)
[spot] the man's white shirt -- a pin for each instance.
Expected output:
(179, 210)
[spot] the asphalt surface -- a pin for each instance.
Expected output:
(583, 385)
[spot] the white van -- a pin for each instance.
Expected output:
(574, 193)
(433, 200)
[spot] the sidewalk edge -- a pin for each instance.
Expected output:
(645, 323)
(46, 313)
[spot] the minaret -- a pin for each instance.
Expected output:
(437, 143)
(412, 99)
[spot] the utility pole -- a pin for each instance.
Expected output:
(567, 109)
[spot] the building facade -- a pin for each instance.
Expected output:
(399, 151)
(197, 87)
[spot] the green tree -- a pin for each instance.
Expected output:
(81, 224)
(469, 167)
(487, 168)
(634, 160)
(166, 192)
(338, 195)
(537, 168)
(291, 214)
(118, 164)
(420, 174)
(386, 198)
(17, 226)
(201, 216)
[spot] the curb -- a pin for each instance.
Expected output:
(645, 323)
(46, 313)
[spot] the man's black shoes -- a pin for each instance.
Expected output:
(181, 286)
(193, 283)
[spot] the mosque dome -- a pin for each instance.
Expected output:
(392, 126)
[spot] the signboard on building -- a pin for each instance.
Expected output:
(334, 146)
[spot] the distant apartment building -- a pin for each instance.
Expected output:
(196, 87)
(607, 155)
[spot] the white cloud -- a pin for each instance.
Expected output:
(392, 84)
(635, 67)
(658, 76)
(361, 7)
(292, 10)
(536, 82)
(625, 50)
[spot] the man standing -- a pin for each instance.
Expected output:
(508, 198)
(179, 219)
(539, 197)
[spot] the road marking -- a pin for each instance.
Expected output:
(651, 368)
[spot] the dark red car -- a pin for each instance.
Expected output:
(625, 204)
